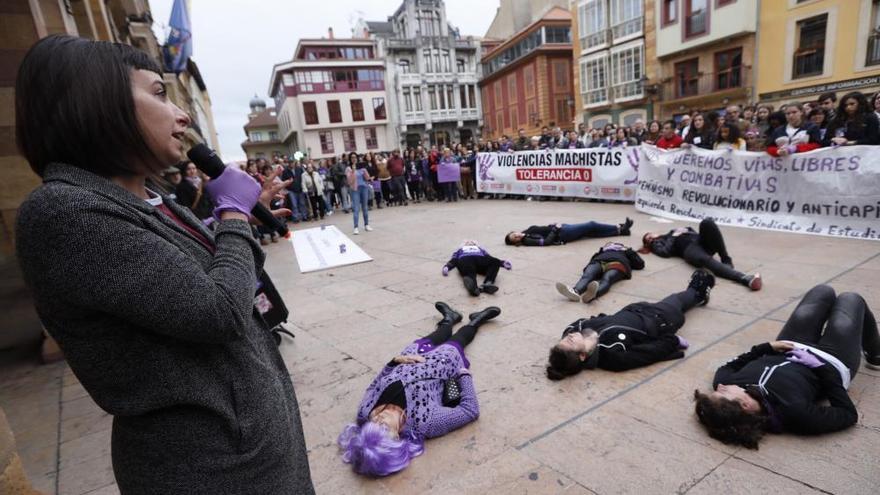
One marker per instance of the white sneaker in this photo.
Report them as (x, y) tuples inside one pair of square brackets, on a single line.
[(356, 231), (368, 228), (567, 292), (590, 294)]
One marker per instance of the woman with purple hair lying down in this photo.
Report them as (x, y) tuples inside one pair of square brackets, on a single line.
[(405, 404)]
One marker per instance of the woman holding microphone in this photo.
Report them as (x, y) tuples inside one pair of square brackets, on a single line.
[(153, 311)]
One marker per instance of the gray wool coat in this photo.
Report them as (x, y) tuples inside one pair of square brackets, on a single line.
[(165, 337)]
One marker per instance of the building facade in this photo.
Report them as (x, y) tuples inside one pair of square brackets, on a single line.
[(331, 98), (613, 42), (810, 47), (431, 75), (263, 140), (527, 79), (706, 50)]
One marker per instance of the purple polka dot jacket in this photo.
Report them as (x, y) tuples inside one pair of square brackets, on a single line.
[(426, 417)]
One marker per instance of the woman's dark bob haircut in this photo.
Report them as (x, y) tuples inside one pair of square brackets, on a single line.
[(74, 105)]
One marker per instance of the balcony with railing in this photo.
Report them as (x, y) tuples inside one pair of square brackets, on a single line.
[(729, 81), (631, 90), (598, 38), (334, 87), (873, 55), (808, 62), (595, 97), (402, 43), (627, 28)]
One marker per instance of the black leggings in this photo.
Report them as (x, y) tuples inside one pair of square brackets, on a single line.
[(464, 336), (682, 301), (700, 254), (318, 206), (415, 190), (851, 326), (592, 272), (470, 266)]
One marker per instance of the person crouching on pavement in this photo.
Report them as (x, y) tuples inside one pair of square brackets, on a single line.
[(471, 259)]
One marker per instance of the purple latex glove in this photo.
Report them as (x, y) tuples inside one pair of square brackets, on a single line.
[(507, 265), (445, 271), (803, 356), (234, 190), (682, 342)]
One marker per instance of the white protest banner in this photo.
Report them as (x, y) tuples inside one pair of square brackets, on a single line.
[(829, 191), (599, 173)]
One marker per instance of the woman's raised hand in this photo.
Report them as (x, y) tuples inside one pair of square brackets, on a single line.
[(234, 190), (271, 189)]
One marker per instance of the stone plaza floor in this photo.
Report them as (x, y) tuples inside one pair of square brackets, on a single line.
[(597, 432)]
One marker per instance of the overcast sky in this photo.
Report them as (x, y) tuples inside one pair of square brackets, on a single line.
[(236, 43)]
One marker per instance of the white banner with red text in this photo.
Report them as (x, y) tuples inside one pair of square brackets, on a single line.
[(598, 173), (829, 191)]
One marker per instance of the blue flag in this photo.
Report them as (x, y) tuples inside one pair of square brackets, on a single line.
[(178, 46)]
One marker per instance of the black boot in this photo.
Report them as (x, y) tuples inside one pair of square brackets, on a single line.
[(450, 315), (471, 285), (483, 316), (489, 287), (623, 228)]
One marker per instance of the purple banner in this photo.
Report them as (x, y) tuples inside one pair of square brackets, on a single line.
[(448, 172)]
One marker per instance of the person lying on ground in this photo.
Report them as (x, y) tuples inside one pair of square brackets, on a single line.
[(775, 387), (411, 398), (638, 335)]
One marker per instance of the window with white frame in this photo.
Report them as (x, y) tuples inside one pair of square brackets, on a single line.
[(404, 66), (594, 80), (626, 17), (417, 99), (407, 100), (627, 67), (429, 22), (593, 24), (432, 97), (256, 137), (429, 63)]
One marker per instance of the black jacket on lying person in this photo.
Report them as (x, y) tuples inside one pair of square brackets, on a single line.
[(638, 335), (790, 390), (669, 244), (629, 258), (541, 235)]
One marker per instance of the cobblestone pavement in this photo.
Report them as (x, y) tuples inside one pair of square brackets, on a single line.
[(598, 432)]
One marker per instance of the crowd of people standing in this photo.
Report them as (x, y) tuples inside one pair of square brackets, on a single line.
[(358, 182)]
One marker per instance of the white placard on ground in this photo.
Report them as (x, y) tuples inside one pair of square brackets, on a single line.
[(319, 249)]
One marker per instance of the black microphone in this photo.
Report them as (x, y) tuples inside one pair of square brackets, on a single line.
[(208, 162)]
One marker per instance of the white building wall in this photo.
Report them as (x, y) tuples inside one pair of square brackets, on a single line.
[(309, 140), (312, 141), (729, 20)]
